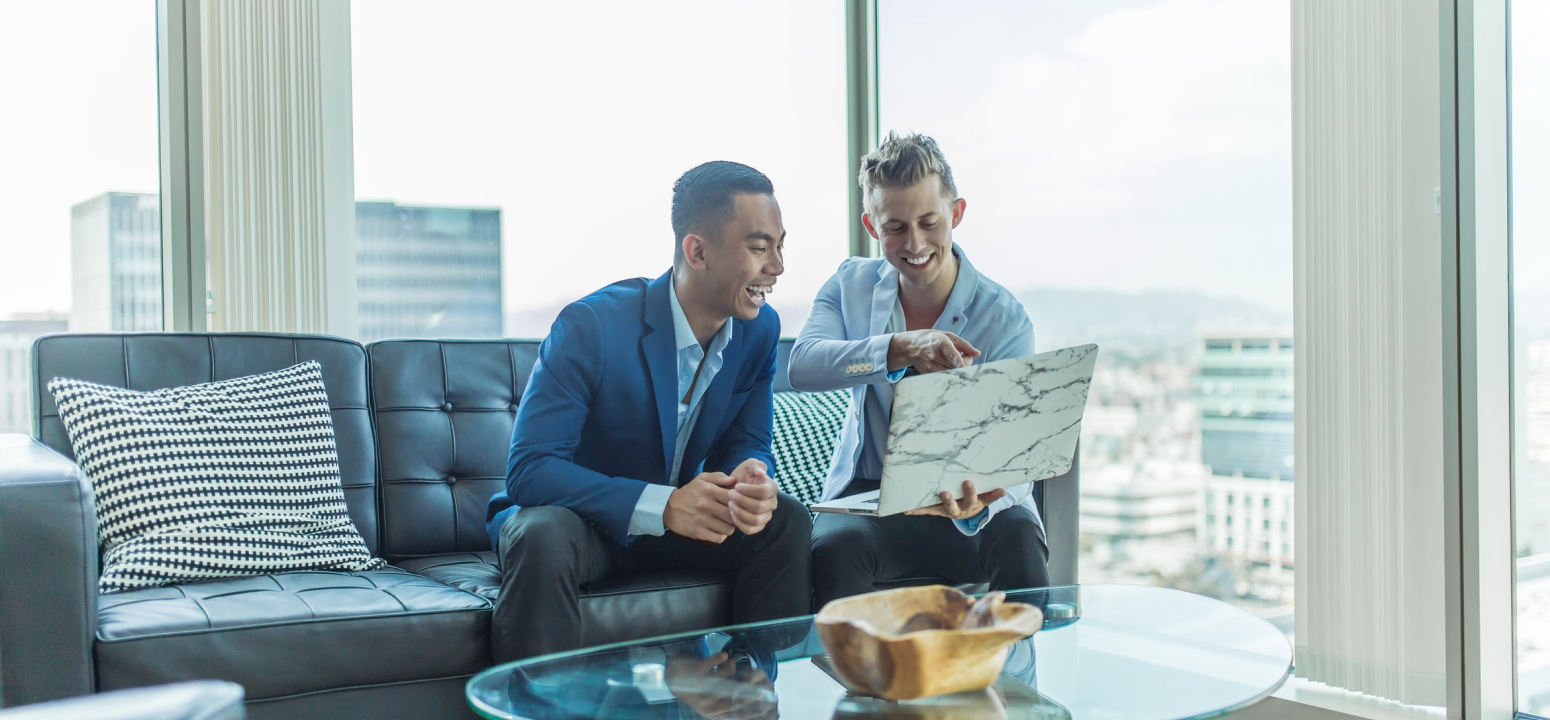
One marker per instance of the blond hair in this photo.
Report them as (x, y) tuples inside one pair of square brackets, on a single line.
[(902, 162)]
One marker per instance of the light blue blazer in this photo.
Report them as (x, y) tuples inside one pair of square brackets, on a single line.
[(843, 346)]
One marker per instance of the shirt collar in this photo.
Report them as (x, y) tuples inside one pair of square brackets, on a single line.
[(683, 334), (964, 285)]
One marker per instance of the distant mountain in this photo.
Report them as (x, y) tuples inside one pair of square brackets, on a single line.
[(1147, 325)]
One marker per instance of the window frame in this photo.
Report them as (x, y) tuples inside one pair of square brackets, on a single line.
[(1480, 572), (1476, 207)]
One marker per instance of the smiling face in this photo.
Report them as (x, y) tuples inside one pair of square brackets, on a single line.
[(734, 272), (915, 225)]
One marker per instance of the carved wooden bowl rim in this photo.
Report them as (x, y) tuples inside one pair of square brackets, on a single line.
[(1012, 618)]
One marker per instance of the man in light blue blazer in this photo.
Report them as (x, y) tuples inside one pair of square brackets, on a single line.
[(642, 442), (922, 307)]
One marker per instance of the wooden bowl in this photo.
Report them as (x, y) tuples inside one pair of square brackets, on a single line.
[(923, 641)]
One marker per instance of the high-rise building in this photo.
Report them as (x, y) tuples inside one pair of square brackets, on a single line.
[(16, 336), (427, 271), (1531, 471), (1125, 502), (1244, 389), (115, 263)]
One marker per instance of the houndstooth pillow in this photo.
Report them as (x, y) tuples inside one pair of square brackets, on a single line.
[(807, 427), (224, 479)]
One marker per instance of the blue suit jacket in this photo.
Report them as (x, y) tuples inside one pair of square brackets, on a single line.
[(599, 417)]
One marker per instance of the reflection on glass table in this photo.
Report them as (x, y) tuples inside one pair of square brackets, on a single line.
[(1106, 651)]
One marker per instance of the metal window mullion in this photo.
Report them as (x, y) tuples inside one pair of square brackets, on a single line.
[(180, 114), (861, 111), (1478, 517)]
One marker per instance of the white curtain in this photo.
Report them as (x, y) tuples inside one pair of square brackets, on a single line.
[(280, 206)]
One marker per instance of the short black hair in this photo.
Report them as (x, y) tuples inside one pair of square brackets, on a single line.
[(702, 198)]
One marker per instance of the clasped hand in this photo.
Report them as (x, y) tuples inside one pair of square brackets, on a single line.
[(717, 688), (713, 505)]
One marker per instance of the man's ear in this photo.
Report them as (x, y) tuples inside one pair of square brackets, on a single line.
[(866, 220), (694, 251), (958, 206)]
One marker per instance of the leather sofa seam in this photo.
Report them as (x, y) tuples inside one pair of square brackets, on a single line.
[(293, 623)]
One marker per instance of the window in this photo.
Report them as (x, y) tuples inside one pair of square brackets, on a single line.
[(1530, 163), (1127, 167), (82, 245), (528, 151)]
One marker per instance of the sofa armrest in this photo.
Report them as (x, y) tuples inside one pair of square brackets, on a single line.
[(48, 574), (196, 700)]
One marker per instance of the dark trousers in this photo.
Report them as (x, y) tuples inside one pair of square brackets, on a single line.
[(852, 552), (548, 553)]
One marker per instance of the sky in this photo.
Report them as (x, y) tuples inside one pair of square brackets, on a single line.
[(1101, 144), (79, 82)]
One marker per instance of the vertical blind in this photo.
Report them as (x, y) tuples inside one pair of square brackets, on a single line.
[(1367, 254), (279, 183)]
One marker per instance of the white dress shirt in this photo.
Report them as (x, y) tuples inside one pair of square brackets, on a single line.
[(646, 519)]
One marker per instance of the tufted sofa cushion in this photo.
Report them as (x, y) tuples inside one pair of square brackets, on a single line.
[(292, 633), (444, 412), (613, 609)]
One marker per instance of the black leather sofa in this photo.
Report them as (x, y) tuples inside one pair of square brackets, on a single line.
[(423, 429)]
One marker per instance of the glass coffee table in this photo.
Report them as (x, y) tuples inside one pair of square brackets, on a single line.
[(1106, 651)]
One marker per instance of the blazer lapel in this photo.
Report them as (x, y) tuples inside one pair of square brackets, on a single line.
[(661, 350), (884, 296), (713, 405)]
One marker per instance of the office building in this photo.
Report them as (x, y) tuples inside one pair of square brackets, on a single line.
[(1244, 389), (16, 336), (420, 271), (115, 263), (1531, 473), (1151, 499), (427, 271)]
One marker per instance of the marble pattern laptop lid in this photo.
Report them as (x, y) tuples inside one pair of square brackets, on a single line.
[(999, 424)]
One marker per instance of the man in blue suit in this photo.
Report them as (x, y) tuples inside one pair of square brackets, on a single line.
[(642, 442)]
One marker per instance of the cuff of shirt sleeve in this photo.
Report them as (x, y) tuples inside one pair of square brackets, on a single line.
[(646, 519), (972, 525)]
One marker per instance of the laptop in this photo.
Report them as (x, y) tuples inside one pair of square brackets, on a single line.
[(999, 424)]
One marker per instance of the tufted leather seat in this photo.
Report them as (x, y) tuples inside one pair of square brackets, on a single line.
[(292, 633)]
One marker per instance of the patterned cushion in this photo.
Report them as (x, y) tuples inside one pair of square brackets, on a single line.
[(807, 426), (224, 479)]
